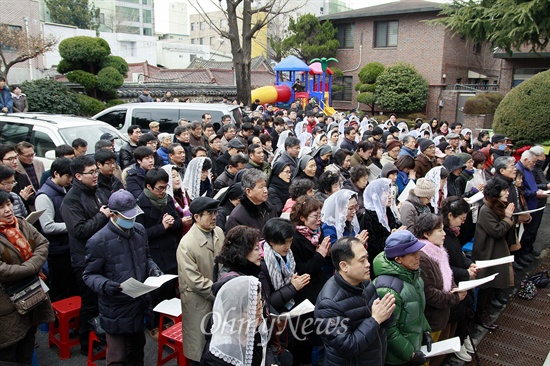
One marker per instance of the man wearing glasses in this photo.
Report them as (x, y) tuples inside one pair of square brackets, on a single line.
[(84, 210), (22, 186), (27, 165)]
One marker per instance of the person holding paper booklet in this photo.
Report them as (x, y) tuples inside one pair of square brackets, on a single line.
[(116, 253), (417, 202), (405, 172), (398, 273), (437, 275), (495, 232), (455, 211)]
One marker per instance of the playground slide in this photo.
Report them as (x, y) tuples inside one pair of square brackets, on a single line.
[(272, 94), (328, 110)]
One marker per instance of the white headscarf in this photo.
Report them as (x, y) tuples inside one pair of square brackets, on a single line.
[(341, 126), (464, 132), (317, 140), (376, 197), (414, 133), (403, 129), (425, 127), (299, 128), (434, 176), (306, 150), (437, 140), (192, 177), (168, 169), (280, 145), (335, 210), (303, 137), (234, 321)]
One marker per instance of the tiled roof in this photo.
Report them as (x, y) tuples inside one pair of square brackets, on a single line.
[(255, 64), (393, 8)]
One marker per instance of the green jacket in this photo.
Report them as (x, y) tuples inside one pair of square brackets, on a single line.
[(405, 334)]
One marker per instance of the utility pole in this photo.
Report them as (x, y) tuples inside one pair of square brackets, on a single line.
[(28, 46)]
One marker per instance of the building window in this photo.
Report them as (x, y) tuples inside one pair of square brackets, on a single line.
[(386, 34), (212, 40), (201, 40), (223, 23), (346, 92), (193, 26), (477, 48), (102, 18), (193, 41), (203, 25), (147, 31), (147, 16), (345, 35), (127, 14)]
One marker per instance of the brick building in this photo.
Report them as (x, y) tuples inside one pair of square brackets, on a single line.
[(397, 32)]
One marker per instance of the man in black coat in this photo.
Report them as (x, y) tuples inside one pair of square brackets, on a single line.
[(115, 254), (349, 311), (85, 212), (127, 150)]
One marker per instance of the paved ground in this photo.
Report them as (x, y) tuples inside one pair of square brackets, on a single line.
[(49, 356)]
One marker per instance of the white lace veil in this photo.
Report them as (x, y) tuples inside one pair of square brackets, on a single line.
[(426, 127), (192, 177), (168, 169), (403, 129), (299, 128), (303, 137), (434, 176), (341, 126), (376, 197), (234, 321), (464, 132), (317, 140), (280, 146), (335, 210)]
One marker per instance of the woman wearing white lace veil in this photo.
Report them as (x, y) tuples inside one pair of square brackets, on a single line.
[(438, 176), (281, 145), (425, 128), (305, 139), (403, 129), (300, 128), (468, 141), (320, 140), (339, 215), (196, 180), (239, 331), (342, 125)]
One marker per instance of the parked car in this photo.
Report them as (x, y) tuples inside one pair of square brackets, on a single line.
[(123, 116), (46, 131)]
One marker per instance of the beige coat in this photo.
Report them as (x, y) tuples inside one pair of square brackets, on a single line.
[(195, 268), (12, 270), (38, 169)]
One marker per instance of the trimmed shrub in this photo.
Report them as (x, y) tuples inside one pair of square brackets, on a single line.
[(370, 72), (109, 79), (87, 80), (483, 103), (89, 106), (366, 98), (114, 102), (368, 88), (523, 113), (401, 88), (117, 62), (49, 96), (83, 49)]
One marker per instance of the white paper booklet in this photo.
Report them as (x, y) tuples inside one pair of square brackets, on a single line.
[(304, 307), (33, 216), (476, 197), (467, 285), (134, 288), (443, 347), (171, 307), (405, 194), (495, 262), (529, 211)]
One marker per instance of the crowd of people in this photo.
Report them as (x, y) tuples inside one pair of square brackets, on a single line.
[(365, 221)]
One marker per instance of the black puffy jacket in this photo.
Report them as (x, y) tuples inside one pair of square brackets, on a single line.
[(343, 316), (116, 255)]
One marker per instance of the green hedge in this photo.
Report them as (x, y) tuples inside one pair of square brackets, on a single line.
[(523, 113), (89, 106), (483, 103), (50, 96)]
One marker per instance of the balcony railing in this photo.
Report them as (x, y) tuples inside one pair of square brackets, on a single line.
[(472, 87)]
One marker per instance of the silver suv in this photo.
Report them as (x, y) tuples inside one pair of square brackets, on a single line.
[(46, 131)]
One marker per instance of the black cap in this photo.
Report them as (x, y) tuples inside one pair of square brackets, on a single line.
[(201, 204), (377, 131), (498, 138), (107, 136)]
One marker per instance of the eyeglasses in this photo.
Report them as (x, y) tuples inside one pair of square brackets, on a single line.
[(152, 143), (28, 156), (92, 172), (353, 208), (314, 216), (13, 158), (8, 184), (450, 148), (161, 188), (286, 171)]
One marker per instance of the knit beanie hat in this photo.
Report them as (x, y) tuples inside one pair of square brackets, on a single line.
[(392, 145), (464, 157), (424, 188), (424, 143)]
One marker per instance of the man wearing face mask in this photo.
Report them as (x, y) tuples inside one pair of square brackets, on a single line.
[(116, 253)]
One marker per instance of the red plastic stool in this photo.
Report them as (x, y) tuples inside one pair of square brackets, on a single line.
[(171, 338), (166, 317), (67, 312), (97, 356)]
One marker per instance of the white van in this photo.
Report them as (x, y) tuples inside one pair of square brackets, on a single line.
[(123, 116)]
